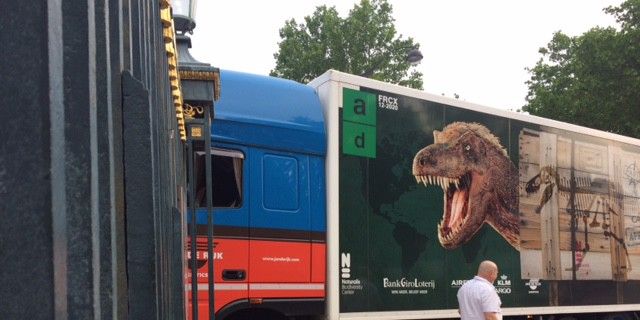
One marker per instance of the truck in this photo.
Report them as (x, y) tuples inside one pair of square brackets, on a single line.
[(351, 198)]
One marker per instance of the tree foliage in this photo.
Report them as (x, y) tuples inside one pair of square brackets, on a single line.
[(364, 43), (592, 79)]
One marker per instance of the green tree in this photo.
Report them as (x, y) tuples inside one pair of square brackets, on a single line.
[(364, 43), (592, 79)]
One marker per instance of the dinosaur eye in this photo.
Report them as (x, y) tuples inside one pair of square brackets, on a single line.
[(467, 147)]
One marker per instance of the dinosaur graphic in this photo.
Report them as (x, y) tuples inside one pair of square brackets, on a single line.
[(479, 181)]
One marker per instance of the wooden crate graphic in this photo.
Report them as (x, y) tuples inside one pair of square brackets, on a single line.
[(579, 208)]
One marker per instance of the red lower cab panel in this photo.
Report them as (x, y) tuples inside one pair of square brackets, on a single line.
[(256, 271)]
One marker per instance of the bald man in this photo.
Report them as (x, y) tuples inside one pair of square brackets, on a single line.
[(477, 298)]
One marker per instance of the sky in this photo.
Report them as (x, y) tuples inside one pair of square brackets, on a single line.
[(477, 49)]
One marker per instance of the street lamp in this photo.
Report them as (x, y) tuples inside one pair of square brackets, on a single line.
[(184, 15), (200, 84), (414, 56)]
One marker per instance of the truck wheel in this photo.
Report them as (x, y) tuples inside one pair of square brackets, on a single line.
[(253, 314)]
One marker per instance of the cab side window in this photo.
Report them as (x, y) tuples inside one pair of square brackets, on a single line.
[(226, 178)]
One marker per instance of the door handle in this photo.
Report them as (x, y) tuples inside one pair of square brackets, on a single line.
[(234, 274)]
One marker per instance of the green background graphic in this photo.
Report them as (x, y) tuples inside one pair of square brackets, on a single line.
[(359, 123), (359, 139), (359, 106), (388, 222)]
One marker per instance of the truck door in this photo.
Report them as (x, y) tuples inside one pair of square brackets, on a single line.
[(280, 246), (231, 219)]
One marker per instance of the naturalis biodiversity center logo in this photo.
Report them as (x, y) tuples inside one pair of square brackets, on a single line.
[(348, 285)]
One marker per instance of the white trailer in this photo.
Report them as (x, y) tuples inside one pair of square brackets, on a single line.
[(412, 210)]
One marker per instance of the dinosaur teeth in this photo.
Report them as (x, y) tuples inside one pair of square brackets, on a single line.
[(445, 198), (444, 182)]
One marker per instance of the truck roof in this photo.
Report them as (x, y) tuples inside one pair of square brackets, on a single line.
[(269, 112)]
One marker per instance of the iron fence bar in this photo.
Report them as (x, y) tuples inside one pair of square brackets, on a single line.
[(209, 192), (192, 239)]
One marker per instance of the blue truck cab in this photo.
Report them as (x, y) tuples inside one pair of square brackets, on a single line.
[(268, 154)]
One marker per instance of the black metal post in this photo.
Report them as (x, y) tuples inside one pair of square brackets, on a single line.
[(192, 236), (209, 182), (200, 84)]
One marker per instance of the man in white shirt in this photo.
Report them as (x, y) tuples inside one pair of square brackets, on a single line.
[(477, 298)]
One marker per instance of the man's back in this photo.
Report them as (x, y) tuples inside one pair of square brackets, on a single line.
[(477, 297)]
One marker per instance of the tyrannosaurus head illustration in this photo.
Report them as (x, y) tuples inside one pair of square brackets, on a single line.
[(479, 182)]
